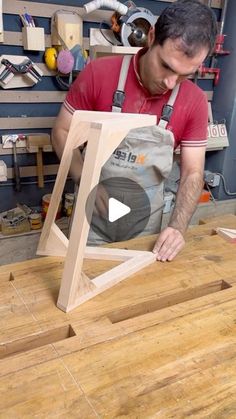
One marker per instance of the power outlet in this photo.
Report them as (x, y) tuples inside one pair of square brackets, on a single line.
[(212, 179)]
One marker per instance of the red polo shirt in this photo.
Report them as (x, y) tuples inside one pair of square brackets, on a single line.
[(94, 87)]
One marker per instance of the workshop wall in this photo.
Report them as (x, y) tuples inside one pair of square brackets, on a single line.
[(33, 110), (224, 108)]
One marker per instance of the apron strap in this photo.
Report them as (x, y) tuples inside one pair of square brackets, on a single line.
[(168, 108), (119, 95)]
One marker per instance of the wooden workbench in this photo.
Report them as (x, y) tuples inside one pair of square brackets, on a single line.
[(161, 344)]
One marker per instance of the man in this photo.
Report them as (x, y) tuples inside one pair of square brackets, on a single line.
[(182, 38)]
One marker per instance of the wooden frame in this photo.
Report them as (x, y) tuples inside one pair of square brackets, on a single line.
[(103, 132)]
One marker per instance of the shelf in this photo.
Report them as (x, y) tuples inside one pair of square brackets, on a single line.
[(102, 50)]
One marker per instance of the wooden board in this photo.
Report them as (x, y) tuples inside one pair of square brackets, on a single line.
[(27, 122), (15, 38), (32, 96), (160, 344), (31, 171)]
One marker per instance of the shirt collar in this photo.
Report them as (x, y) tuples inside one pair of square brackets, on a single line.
[(136, 64)]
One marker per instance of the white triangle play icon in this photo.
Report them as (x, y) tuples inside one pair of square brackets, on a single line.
[(116, 209)]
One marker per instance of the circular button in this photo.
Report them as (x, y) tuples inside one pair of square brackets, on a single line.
[(118, 209)]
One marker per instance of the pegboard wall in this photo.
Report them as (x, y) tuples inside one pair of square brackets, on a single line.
[(33, 109)]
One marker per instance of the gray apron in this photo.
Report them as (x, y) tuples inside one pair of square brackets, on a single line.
[(144, 156)]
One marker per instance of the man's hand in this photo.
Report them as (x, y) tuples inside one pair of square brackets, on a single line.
[(168, 244), (171, 240)]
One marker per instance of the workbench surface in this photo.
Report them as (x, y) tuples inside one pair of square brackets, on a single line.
[(161, 344)]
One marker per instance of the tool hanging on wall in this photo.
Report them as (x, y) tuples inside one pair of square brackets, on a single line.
[(67, 55), (37, 143), (66, 26), (50, 58), (18, 71), (218, 50), (12, 139), (129, 23)]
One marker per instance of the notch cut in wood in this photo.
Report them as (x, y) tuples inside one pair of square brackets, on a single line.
[(164, 301), (35, 340), (103, 132)]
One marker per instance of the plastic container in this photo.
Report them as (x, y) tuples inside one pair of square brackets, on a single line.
[(68, 204), (35, 220), (45, 204), (205, 196)]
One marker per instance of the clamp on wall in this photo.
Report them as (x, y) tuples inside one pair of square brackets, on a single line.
[(25, 73)]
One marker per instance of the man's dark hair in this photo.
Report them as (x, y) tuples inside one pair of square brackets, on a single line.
[(190, 21)]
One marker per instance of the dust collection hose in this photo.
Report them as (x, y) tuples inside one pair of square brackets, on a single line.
[(122, 9)]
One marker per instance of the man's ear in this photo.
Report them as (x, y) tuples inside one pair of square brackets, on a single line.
[(151, 36)]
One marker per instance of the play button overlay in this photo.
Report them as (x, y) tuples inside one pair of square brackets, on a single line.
[(117, 209)]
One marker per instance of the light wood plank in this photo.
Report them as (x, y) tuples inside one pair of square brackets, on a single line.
[(9, 151), (48, 97), (105, 253), (16, 96), (31, 171), (57, 242), (45, 70), (15, 38), (27, 122), (17, 7)]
